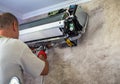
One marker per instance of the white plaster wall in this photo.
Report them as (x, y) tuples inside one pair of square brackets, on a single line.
[(96, 60)]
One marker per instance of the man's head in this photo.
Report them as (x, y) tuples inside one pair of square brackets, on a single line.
[(9, 25)]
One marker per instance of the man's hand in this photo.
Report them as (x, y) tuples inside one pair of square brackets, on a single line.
[(42, 55)]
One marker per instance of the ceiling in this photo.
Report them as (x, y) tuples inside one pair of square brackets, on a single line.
[(25, 9)]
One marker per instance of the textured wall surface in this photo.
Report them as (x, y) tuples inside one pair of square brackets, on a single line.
[(96, 60)]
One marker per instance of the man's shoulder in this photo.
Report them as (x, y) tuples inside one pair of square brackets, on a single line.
[(14, 42), (18, 42), (12, 45)]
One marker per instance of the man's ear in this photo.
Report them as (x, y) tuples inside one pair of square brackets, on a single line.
[(14, 26)]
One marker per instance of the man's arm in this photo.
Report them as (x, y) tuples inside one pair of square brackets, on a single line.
[(32, 64), (46, 68)]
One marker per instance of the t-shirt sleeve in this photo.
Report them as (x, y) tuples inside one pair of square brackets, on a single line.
[(30, 63)]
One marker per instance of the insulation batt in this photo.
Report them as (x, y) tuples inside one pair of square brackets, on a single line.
[(96, 59)]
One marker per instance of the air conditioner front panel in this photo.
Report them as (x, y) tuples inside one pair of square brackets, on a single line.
[(42, 32)]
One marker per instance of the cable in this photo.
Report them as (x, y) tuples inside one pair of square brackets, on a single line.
[(42, 80)]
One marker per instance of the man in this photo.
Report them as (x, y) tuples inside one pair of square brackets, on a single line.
[(15, 56)]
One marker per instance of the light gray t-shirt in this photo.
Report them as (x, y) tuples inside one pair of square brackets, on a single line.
[(16, 57)]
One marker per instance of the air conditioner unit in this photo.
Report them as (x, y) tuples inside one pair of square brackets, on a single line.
[(63, 27)]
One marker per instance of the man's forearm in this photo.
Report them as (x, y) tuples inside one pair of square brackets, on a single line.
[(46, 68)]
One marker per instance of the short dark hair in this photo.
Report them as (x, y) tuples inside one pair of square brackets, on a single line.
[(6, 19)]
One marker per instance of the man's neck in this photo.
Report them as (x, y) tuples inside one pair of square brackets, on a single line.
[(4, 33)]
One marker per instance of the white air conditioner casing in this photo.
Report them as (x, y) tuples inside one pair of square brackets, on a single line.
[(42, 31), (55, 29)]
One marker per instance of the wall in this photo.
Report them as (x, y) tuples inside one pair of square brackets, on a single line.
[(96, 60)]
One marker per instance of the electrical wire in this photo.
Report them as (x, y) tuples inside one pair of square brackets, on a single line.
[(42, 80)]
